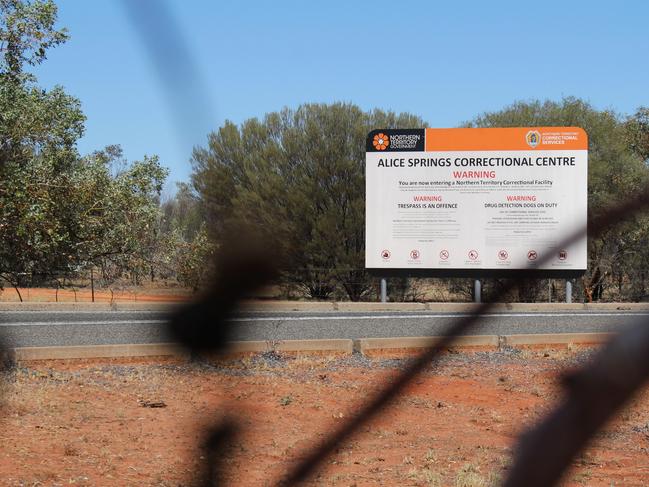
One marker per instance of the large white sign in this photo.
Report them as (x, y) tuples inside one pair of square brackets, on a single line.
[(485, 199)]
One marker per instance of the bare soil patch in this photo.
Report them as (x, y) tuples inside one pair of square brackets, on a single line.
[(84, 295), (131, 422)]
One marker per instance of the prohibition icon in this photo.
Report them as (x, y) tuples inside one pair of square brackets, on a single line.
[(532, 255), (415, 254), (443, 254), (385, 254), (502, 255), (473, 254)]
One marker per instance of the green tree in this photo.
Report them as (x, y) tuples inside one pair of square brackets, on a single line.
[(26, 33), (297, 177), (38, 134), (60, 213), (192, 259), (183, 213), (637, 132), (186, 247), (117, 220)]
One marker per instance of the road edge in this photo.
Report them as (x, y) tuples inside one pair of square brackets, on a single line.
[(328, 306), (337, 346)]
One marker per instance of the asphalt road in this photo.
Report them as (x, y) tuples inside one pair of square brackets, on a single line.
[(49, 328)]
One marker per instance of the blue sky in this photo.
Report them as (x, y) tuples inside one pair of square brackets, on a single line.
[(445, 61)]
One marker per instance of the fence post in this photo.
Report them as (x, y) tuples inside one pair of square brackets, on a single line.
[(568, 291), (384, 290), (92, 285), (477, 291)]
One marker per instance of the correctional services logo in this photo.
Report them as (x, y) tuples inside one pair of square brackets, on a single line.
[(381, 141), (533, 138)]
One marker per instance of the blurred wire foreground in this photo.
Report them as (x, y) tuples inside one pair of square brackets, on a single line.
[(542, 455)]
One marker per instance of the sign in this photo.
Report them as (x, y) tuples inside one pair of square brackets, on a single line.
[(479, 200)]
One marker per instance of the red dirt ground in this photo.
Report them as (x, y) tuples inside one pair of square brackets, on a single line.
[(84, 295), (83, 422)]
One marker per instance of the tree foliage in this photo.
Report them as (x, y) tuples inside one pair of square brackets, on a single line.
[(26, 33), (192, 259), (637, 133), (60, 212), (187, 248), (183, 213), (117, 225), (297, 177)]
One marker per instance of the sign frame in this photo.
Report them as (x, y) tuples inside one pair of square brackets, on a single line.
[(495, 144)]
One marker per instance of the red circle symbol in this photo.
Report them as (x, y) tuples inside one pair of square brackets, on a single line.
[(414, 254), (443, 254), (473, 254), (502, 255), (532, 255), (385, 254)]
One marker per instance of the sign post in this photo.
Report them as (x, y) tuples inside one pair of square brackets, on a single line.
[(476, 202), (477, 291)]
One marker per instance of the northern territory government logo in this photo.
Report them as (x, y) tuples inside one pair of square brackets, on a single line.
[(381, 141), (533, 138), (395, 140)]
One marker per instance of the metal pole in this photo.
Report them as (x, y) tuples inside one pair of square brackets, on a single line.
[(549, 290), (477, 291), (384, 290), (568, 291), (92, 285)]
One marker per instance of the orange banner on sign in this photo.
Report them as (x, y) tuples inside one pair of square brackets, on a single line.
[(503, 139)]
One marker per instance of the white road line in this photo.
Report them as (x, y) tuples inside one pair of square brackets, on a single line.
[(417, 316), (80, 311), (59, 323), (336, 318)]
